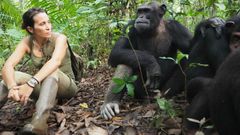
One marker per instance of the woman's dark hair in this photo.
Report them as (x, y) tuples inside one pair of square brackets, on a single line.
[(27, 17)]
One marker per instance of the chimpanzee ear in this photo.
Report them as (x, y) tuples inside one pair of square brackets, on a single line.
[(230, 24), (163, 9)]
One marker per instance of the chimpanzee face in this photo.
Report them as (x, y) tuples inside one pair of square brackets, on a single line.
[(149, 17), (234, 31)]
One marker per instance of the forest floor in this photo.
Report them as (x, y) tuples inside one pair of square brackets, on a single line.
[(81, 114)]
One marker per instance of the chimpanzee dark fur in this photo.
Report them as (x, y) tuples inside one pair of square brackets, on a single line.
[(149, 39), (218, 96)]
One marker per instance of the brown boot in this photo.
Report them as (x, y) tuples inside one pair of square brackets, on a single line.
[(45, 103), (3, 94)]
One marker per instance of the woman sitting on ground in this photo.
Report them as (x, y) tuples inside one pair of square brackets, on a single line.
[(54, 77)]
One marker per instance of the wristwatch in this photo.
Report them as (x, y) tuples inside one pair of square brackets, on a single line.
[(32, 82)]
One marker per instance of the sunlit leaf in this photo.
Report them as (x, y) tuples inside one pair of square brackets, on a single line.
[(209, 127), (198, 64), (118, 88), (168, 58), (1, 31), (161, 103), (14, 33), (101, 8), (130, 89), (221, 6), (199, 133), (113, 24), (194, 120), (166, 106), (85, 10), (180, 56), (83, 105), (118, 81), (131, 79), (98, 1), (5, 52)]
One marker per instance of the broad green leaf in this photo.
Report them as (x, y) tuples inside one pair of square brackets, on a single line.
[(194, 120), (14, 33), (209, 127), (1, 31), (5, 52), (130, 89), (198, 64), (123, 22), (98, 1), (167, 58), (221, 6), (118, 88), (166, 106), (101, 8), (161, 103), (180, 56), (128, 29), (82, 10), (118, 81), (113, 24), (199, 133), (131, 79)]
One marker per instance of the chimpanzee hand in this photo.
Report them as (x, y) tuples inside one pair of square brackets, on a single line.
[(109, 110), (153, 76)]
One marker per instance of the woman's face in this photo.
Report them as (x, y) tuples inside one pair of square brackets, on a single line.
[(42, 26)]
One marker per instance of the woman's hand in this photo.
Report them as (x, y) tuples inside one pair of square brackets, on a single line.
[(13, 93), (24, 93)]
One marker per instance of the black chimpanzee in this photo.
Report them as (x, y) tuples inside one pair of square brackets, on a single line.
[(224, 96), (200, 106), (141, 52), (209, 50), (208, 43)]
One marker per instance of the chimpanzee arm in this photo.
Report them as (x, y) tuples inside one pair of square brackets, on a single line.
[(180, 35), (111, 101), (122, 53)]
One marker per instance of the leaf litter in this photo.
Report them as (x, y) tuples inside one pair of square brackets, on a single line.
[(81, 114)]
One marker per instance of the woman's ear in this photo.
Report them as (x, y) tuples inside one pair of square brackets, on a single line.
[(30, 29)]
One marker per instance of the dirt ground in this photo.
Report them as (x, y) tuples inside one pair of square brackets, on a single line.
[(81, 116)]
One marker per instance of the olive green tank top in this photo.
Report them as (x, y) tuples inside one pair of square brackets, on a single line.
[(48, 49)]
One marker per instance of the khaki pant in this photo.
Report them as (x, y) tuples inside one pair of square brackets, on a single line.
[(67, 88)]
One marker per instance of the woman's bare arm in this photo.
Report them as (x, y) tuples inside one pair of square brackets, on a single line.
[(12, 61), (56, 59)]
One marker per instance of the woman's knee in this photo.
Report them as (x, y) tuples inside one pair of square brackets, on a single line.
[(21, 77), (54, 75)]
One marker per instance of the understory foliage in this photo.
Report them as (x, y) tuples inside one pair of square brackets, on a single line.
[(93, 26)]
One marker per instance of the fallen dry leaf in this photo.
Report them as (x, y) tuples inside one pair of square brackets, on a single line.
[(95, 130)]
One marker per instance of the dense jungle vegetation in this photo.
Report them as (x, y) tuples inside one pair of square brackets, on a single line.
[(93, 26)]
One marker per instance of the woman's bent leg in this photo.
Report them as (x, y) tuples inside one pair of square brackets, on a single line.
[(67, 86), (55, 84), (20, 78)]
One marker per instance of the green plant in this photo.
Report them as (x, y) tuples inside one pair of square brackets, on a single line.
[(93, 63), (203, 124), (166, 106), (180, 56), (166, 111), (198, 64), (126, 81)]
